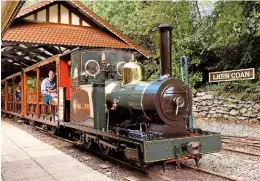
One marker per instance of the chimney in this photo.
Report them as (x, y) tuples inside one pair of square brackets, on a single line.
[(166, 48)]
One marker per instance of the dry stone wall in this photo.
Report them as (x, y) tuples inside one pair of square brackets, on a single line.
[(209, 106)]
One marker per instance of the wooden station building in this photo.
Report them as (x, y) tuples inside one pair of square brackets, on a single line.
[(48, 28), (41, 37)]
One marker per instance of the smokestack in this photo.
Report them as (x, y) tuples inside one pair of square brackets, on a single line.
[(166, 48)]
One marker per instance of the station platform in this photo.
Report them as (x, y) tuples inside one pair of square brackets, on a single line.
[(26, 158)]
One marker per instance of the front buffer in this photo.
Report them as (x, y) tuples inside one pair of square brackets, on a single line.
[(181, 148)]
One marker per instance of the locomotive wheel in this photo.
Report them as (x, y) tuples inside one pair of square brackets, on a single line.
[(103, 149), (87, 143), (53, 129), (31, 123)]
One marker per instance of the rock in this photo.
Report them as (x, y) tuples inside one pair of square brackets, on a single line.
[(205, 108), (105, 166), (258, 118), (253, 121), (214, 115), (207, 97), (242, 118), (245, 115), (253, 115), (203, 103), (87, 157), (233, 112), (250, 109), (247, 106), (257, 107), (203, 114), (209, 102), (226, 116), (195, 110), (235, 100), (20, 121), (195, 114), (232, 105), (222, 112), (212, 112), (201, 94), (243, 110), (221, 98), (218, 102), (213, 109), (240, 106), (196, 99), (231, 118)]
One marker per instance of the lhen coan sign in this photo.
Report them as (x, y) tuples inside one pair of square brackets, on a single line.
[(242, 74)]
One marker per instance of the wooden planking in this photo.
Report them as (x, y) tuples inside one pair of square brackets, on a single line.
[(38, 87), (6, 94), (24, 103)]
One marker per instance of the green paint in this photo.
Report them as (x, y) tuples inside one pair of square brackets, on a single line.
[(164, 149)]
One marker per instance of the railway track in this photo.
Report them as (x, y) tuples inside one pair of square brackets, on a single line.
[(151, 174), (251, 145), (156, 176)]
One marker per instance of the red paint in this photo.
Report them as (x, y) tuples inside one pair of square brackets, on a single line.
[(193, 134), (64, 78)]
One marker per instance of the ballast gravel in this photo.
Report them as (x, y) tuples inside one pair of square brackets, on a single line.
[(228, 128), (241, 165)]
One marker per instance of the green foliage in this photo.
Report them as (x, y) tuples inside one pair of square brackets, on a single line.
[(31, 83), (138, 19), (226, 38)]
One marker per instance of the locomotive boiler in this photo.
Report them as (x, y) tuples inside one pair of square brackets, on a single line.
[(161, 106)]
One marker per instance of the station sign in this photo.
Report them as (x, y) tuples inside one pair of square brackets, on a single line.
[(241, 74)]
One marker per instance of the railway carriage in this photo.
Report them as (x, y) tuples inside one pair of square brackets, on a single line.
[(105, 103)]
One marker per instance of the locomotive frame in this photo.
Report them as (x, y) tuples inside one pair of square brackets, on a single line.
[(89, 121)]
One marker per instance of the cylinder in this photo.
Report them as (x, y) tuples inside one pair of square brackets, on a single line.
[(166, 48)]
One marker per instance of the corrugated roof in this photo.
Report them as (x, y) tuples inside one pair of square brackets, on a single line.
[(93, 16), (59, 34)]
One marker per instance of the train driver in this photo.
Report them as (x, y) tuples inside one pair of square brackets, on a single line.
[(48, 89)]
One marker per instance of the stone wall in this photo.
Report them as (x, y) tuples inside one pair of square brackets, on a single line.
[(209, 106)]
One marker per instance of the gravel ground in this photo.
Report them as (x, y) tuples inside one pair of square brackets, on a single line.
[(228, 128), (229, 163), (239, 165)]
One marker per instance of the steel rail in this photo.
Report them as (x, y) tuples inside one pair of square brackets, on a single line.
[(233, 178), (150, 174), (241, 151)]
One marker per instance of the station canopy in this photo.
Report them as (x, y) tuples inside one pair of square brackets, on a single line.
[(48, 28)]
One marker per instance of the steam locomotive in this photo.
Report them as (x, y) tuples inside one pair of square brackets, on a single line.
[(104, 101)]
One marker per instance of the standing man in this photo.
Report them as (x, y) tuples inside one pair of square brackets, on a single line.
[(18, 97), (48, 88)]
